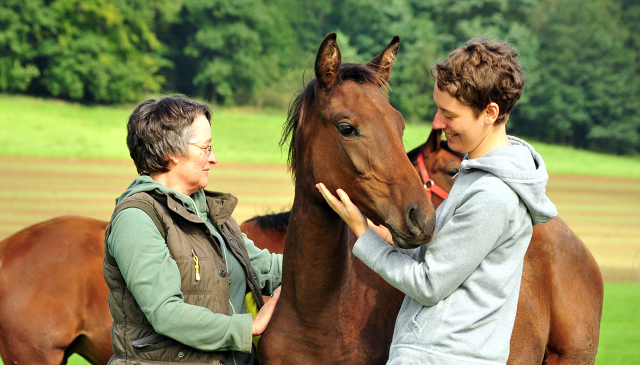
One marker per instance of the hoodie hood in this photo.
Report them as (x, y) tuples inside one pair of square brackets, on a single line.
[(144, 183), (524, 171)]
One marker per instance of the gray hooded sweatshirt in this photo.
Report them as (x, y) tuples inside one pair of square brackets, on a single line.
[(462, 288)]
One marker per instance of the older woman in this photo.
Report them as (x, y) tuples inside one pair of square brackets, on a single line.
[(179, 270)]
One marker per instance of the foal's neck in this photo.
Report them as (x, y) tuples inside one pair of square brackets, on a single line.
[(317, 256)]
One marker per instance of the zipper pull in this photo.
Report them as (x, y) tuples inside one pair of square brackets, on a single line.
[(196, 265)]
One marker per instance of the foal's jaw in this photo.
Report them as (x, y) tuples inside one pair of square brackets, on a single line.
[(419, 229), (406, 212), (413, 243)]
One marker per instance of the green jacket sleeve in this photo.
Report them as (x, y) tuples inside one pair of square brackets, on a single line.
[(153, 278), (267, 266)]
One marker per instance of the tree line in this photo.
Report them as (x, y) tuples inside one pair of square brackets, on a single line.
[(581, 59)]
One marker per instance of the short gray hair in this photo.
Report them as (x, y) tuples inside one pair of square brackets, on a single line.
[(159, 128)]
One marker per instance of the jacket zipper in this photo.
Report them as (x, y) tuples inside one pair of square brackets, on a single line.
[(196, 264), (197, 267)]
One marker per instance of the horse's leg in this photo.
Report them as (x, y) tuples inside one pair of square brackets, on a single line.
[(49, 331), (52, 291), (574, 333), (92, 348), (94, 342), (33, 327), (22, 343)]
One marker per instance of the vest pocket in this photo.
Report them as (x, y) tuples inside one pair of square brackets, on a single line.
[(153, 342)]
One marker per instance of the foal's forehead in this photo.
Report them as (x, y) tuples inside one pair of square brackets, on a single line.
[(361, 102), (358, 95)]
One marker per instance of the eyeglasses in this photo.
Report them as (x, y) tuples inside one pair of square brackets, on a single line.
[(206, 147)]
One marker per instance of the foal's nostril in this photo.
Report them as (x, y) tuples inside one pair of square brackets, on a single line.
[(417, 223), (412, 220)]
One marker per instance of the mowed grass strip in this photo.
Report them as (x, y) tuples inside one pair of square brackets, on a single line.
[(604, 211), (34, 190)]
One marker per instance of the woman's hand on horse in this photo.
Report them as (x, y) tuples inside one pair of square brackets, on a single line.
[(382, 231), (345, 209), (263, 317)]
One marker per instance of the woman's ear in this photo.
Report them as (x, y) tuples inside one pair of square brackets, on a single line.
[(173, 159), (492, 111)]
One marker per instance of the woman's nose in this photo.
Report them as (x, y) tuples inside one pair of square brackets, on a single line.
[(437, 122), (212, 158)]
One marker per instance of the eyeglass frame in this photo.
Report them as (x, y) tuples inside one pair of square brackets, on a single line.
[(207, 148)]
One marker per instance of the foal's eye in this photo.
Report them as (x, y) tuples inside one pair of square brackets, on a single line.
[(453, 172), (347, 129)]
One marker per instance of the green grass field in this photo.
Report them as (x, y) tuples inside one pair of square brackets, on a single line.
[(620, 326), (34, 127), (47, 130)]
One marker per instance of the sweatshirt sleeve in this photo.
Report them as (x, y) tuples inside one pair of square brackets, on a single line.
[(153, 278), (267, 266), (458, 248)]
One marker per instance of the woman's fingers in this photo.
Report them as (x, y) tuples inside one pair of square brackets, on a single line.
[(382, 231), (345, 209), (262, 319), (335, 204), (344, 198)]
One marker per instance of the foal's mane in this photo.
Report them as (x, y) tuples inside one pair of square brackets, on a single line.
[(299, 106)]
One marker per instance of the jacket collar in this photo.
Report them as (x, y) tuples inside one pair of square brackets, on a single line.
[(220, 206)]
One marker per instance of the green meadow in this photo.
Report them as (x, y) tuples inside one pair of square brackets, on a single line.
[(42, 128), (34, 127)]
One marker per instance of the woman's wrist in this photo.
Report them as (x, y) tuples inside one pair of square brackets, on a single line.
[(360, 229)]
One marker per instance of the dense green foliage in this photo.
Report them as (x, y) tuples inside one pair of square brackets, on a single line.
[(587, 78), (94, 50), (582, 60)]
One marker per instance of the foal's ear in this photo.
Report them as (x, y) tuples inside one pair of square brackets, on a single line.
[(328, 62), (433, 142), (383, 63)]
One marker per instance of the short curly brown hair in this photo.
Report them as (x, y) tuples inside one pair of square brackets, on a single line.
[(159, 128), (480, 72)]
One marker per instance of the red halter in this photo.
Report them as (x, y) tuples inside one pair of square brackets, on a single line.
[(429, 185)]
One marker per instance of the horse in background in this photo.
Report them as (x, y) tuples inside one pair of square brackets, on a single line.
[(267, 231), (53, 298), (332, 308)]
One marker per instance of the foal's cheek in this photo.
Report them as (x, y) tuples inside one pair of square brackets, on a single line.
[(356, 158)]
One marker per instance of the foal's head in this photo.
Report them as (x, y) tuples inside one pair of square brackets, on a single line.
[(345, 134)]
